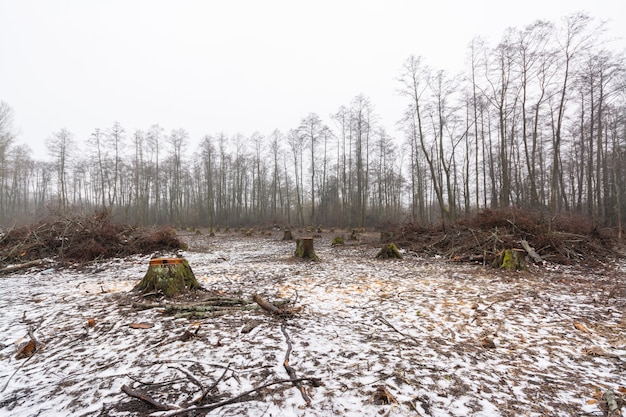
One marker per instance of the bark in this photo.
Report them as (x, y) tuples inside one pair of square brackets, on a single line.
[(510, 260), (168, 276), (304, 249)]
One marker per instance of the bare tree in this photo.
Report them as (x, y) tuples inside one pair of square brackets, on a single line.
[(60, 146), (574, 39), (7, 136)]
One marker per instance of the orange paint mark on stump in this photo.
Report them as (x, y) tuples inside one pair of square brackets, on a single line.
[(166, 261)]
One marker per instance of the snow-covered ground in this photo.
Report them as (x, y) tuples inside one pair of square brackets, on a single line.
[(441, 338)]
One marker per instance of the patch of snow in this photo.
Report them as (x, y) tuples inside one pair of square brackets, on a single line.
[(415, 326)]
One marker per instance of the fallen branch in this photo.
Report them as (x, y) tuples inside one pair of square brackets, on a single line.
[(206, 392), (531, 252), (146, 398), (212, 307), (316, 382), (14, 372), (292, 372), (191, 377), (385, 322), (267, 306), (210, 302), (487, 308), (19, 267)]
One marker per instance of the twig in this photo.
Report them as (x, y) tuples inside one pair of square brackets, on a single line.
[(14, 372), (385, 322), (488, 307), (146, 398), (209, 389), (314, 381), (192, 378), (290, 371)]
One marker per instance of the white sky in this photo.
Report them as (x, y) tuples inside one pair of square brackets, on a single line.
[(235, 66)]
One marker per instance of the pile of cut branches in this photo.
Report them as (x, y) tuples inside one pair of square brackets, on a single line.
[(82, 238), (561, 239)]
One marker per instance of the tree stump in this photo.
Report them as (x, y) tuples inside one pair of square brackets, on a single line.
[(338, 241), (389, 251), (287, 234), (509, 259), (304, 249), (168, 276)]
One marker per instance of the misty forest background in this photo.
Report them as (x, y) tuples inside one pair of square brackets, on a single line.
[(537, 122)]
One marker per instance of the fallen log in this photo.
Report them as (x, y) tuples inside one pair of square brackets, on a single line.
[(19, 267)]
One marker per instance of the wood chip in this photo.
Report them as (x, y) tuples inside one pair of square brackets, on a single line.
[(141, 325), (581, 327)]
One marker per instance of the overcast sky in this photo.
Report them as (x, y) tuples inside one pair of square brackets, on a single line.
[(235, 66)]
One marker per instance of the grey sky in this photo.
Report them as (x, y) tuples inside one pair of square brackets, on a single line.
[(235, 66)]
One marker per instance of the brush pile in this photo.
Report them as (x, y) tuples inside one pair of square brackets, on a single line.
[(82, 238), (561, 239)]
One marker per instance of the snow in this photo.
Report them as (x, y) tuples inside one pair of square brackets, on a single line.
[(414, 325)]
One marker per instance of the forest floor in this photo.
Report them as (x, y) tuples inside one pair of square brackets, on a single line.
[(420, 336)]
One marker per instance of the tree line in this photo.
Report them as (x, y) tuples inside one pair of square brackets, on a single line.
[(536, 121)]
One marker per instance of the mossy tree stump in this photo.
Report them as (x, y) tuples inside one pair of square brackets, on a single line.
[(168, 276), (304, 249), (287, 235), (389, 251), (510, 259), (338, 241)]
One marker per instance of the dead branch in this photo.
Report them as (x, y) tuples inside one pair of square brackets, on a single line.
[(19, 267), (316, 382), (488, 307), (292, 372), (531, 252), (212, 387), (385, 322), (191, 377), (266, 305), (146, 398), (14, 372)]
